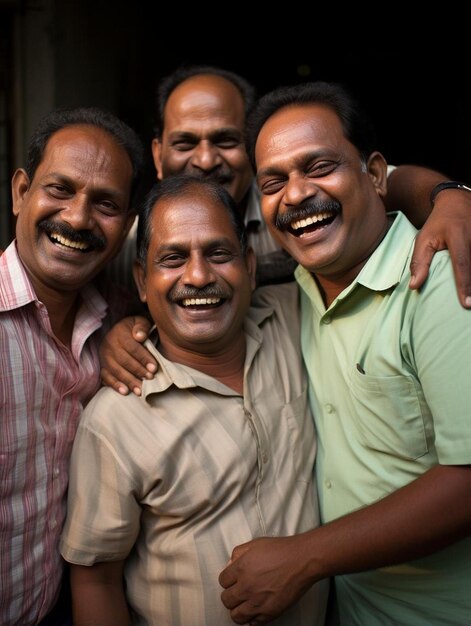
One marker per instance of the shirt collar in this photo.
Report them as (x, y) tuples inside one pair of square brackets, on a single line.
[(16, 290), (184, 377)]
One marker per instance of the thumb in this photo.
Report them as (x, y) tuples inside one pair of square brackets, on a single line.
[(141, 328)]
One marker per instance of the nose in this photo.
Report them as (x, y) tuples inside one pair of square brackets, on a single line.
[(78, 213), (198, 272), (298, 189), (206, 156)]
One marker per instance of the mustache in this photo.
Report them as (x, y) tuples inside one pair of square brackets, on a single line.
[(211, 291), (219, 177), (307, 208), (51, 227)]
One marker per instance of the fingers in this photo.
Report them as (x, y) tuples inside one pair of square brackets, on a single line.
[(124, 360), (125, 375), (424, 249), (460, 253), (141, 328)]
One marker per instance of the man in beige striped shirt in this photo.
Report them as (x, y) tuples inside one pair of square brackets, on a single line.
[(163, 485)]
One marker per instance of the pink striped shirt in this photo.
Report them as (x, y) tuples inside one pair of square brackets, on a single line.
[(43, 388)]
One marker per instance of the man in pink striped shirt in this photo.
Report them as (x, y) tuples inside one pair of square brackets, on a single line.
[(73, 204)]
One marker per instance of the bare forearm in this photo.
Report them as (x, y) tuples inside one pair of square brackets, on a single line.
[(419, 519), (268, 574), (409, 188), (97, 602)]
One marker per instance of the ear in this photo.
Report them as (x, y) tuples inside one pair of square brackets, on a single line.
[(129, 222), (140, 280), (157, 155), (20, 184), (251, 262), (377, 171)]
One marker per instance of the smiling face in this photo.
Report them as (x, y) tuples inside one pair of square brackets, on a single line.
[(74, 215), (203, 134), (196, 282), (320, 201)]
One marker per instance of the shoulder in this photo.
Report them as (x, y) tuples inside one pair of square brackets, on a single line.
[(108, 407), (284, 296)]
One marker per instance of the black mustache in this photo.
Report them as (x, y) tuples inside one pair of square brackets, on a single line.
[(211, 291), (308, 208), (221, 178), (77, 236)]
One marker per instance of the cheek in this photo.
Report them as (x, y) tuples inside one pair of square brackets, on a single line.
[(237, 159), (269, 205), (175, 161)]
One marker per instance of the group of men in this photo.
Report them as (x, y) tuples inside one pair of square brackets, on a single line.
[(218, 448)]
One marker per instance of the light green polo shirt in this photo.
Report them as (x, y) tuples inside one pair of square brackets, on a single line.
[(390, 390)]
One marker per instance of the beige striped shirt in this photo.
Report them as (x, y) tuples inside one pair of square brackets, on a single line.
[(174, 479)]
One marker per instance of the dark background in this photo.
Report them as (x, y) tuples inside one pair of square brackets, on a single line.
[(412, 77)]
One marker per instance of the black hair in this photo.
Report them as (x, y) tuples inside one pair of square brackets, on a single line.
[(179, 185), (167, 85), (89, 116), (356, 125)]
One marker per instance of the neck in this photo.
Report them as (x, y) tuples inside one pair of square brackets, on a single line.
[(225, 364), (331, 285), (62, 308)]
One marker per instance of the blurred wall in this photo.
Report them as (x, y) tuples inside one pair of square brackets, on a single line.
[(91, 52)]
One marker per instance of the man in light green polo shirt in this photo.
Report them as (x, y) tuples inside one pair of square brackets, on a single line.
[(389, 372)]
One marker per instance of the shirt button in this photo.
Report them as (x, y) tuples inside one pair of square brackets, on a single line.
[(56, 472), (264, 457), (326, 320), (329, 408), (328, 484)]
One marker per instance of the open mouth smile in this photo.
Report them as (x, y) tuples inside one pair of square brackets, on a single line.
[(68, 243)]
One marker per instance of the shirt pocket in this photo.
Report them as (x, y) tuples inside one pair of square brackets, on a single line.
[(387, 413)]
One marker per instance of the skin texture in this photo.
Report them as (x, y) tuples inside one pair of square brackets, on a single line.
[(82, 185), (299, 157), (302, 155), (194, 250), (204, 122), (193, 247), (203, 128)]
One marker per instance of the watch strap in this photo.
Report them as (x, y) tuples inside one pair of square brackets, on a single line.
[(449, 184)]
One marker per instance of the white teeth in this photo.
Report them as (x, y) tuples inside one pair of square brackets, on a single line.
[(200, 301), (310, 220), (68, 243)]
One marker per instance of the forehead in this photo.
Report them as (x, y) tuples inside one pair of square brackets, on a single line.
[(205, 98), (81, 143), (87, 154), (191, 217), (297, 128)]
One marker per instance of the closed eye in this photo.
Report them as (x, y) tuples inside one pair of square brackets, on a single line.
[(268, 187)]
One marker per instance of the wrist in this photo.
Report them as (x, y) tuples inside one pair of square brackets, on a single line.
[(448, 184)]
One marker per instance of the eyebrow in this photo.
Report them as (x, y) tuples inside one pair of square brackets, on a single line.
[(183, 248), (218, 132), (108, 192)]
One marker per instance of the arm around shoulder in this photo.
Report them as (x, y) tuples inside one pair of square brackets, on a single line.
[(444, 215)]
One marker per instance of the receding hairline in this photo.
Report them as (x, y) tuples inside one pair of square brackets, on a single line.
[(201, 83)]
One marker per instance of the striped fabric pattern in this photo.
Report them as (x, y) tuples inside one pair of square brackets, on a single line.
[(43, 388), (174, 479)]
